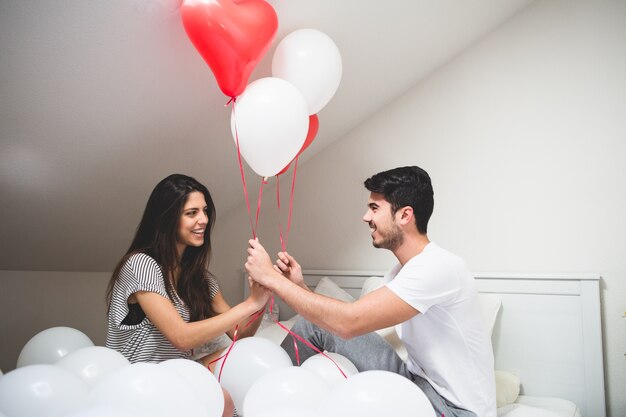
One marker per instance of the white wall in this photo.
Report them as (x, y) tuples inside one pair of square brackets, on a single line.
[(32, 301), (524, 136)]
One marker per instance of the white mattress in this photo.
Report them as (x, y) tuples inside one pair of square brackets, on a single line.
[(527, 406)]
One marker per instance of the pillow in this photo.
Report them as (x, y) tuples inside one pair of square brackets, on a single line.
[(371, 284), (329, 288), (507, 388)]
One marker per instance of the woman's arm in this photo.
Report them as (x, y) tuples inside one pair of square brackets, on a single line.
[(246, 328), (185, 336)]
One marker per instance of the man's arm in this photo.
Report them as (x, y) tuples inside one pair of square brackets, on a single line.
[(376, 310)]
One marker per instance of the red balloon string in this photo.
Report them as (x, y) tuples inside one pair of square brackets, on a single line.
[(280, 225), (283, 241), (258, 207), (225, 356), (293, 335), (296, 337), (293, 188), (243, 176), (306, 342)]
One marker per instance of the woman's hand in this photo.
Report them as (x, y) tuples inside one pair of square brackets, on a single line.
[(287, 265), (259, 295)]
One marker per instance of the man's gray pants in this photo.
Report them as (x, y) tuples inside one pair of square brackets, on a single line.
[(367, 352)]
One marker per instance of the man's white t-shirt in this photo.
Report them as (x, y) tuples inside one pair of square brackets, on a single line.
[(448, 343)]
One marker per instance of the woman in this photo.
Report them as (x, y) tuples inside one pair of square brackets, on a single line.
[(162, 300)]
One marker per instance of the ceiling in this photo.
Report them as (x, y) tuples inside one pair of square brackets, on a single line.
[(99, 100)]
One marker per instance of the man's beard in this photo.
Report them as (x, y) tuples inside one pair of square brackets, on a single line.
[(390, 240)]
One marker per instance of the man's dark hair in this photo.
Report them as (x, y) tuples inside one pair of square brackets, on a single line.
[(406, 186)]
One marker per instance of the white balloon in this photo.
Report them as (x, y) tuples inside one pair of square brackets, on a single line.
[(375, 394), (50, 345), (102, 411), (327, 369), (92, 363), (310, 60), (41, 390), (249, 359), (290, 387), (208, 391), (283, 411), (149, 390), (270, 119)]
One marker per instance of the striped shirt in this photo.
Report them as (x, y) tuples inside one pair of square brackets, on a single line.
[(143, 342)]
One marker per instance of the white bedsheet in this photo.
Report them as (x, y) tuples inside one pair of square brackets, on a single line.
[(527, 406)]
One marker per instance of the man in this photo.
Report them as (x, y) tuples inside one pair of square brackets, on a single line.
[(429, 296)]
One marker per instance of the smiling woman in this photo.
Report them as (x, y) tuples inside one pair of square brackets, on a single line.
[(162, 300)]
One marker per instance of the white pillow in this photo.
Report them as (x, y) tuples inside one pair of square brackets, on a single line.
[(507, 388), (371, 284), (329, 288)]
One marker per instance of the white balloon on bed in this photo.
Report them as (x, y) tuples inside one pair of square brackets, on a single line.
[(289, 387), (328, 370), (375, 394), (92, 363), (203, 383), (249, 359), (147, 389), (103, 411), (41, 390), (284, 411), (50, 345)]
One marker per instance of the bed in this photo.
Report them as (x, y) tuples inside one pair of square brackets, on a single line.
[(546, 337)]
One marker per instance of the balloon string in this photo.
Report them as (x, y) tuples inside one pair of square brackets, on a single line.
[(258, 207), (283, 241), (243, 176), (306, 342), (295, 337), (280, 225), (225, 356), (293, 187)]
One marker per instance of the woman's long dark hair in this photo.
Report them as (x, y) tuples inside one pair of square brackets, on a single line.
[(157, 235)]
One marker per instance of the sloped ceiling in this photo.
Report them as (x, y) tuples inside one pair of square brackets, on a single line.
[(99, 100)]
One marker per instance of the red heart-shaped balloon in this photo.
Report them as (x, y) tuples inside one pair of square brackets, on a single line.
[(231, 36)]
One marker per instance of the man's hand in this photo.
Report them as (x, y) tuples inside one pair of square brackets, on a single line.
[(258, 265), (287, 266)]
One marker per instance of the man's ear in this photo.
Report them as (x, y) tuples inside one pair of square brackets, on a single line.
[(405, 215)]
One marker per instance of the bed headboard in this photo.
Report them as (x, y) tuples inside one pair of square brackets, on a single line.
[(548, 332)]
